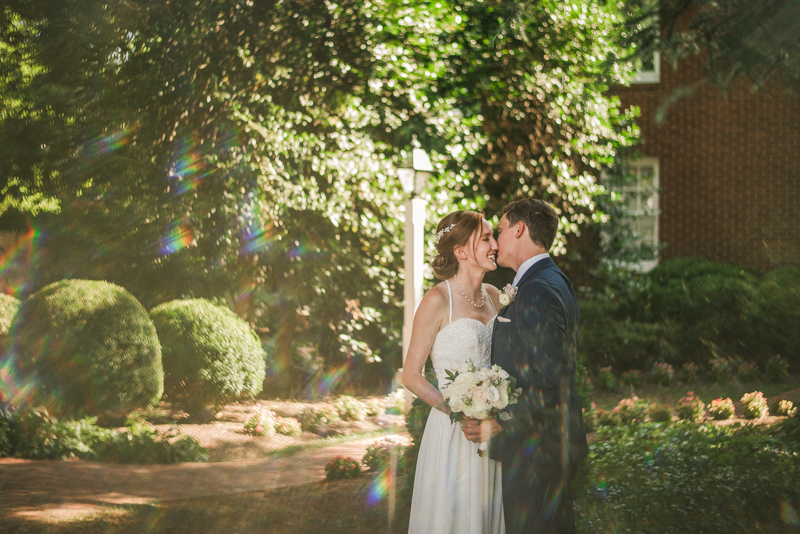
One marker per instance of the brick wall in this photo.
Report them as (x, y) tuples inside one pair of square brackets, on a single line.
[(729, 168)]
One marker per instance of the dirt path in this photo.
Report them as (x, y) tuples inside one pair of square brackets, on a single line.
[(57, 491)]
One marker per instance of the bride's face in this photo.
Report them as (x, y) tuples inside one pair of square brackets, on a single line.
[(484, 248)]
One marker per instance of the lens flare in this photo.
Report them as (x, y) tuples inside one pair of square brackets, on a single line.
[(178, 236), (15, 264), (379, 488), (789, 515), (108, 142), (321, 384)]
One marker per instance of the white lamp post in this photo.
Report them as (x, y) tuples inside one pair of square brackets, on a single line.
[(414, 173)]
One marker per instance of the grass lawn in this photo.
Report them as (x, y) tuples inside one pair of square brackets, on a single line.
[(705, 389), (333, 507)]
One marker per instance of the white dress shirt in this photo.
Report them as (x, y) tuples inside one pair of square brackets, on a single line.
[(527, 264)]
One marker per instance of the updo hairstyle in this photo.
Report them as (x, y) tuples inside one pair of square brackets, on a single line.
[(445, 264)]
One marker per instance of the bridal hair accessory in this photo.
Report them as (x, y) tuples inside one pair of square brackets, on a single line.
[(443, 231), (508, 295)]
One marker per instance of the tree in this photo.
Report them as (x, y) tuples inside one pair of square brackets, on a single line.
[(246, 150), (737, 37)]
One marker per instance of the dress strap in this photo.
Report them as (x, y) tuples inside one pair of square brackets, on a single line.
[(490, 298), (450, 292)]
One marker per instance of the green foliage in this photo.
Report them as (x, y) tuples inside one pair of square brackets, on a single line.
[(720, 369), (632, 378), (261, 424), (350, 408), (607, 378), (584, 382), (341, 468), (686, 478), (378, 454), (374, 406), (265, 155), (6, 446), (690, 407), (754, 405), (605, 340), (317, 416), (689, 371), (288, 426), (747, 371), (661, 413), (89, 347), (756, 40), (783, 407), (662, 373), (8, 308), (35, 434), (210, 355), (721, 409), (777, 368), (779, 303), (713, 305), (633, 410)]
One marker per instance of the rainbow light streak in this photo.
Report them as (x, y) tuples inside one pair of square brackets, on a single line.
[(16, 263), (11, 390), (379, 488), (789, 515), (179, 236), (107, 143), (321, 384), (255, 237), (188, 169)]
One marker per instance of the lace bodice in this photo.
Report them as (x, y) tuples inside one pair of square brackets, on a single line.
[(461, 341), (464, 340)]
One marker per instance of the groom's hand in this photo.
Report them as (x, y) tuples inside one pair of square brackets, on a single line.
[(478, 430)]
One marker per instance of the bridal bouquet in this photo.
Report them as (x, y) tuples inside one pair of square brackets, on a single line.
[(480, 393)]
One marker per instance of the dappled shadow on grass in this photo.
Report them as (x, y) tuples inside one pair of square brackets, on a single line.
[(332, 507)]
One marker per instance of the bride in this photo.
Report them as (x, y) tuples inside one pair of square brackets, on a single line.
[(455, 490)]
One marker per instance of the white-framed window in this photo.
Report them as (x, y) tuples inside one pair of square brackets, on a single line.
[(640, 202), (648, 71)]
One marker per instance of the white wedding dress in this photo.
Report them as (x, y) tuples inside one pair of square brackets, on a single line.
[(455, 490)]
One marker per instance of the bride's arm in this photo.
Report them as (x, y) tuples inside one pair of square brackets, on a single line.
[(427, 322)]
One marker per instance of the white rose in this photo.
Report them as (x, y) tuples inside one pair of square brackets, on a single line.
[(493, 394), (481, 375), (480, 395), (456, 404), (504, 375), (505, 300), (464, 379)]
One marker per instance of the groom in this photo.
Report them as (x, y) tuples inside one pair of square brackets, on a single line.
[(535, 340)]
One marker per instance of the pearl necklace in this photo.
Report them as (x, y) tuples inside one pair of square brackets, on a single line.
[(483, 294)]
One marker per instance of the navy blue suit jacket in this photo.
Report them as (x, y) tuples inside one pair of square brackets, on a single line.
[(538, 345)]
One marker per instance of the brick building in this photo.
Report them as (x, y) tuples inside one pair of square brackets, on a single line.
[(725, 168)]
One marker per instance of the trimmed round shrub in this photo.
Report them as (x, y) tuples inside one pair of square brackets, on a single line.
[(8, 308), (721, 409), (211, 356), (88, 348)]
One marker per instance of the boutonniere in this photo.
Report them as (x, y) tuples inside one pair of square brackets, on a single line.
[(508, 295)]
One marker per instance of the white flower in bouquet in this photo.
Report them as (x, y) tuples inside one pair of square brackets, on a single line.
[(480, 393)]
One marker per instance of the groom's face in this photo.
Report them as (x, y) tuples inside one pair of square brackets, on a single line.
[(505, 242)]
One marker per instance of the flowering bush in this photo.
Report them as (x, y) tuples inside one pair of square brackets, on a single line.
[(689, 372), (288, 426), (783, 408), (373, 407), (754, 405), (262, 423), (397, 401), (591, 419), (632, 410), (721, 409), (607, 379), (720, 369), (661, 413), (350, 408), (608, 418), (378, 454), (777, 368), (663, 373), (340, 468), (747, 371), (315, 416), (690, 407), (633, 378)]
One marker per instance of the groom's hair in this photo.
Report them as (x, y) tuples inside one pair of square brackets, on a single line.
[(539, 216)]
